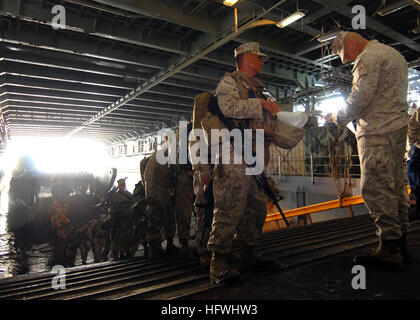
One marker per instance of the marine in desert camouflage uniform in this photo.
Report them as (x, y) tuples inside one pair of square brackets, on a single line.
[(202, 174), (184, 199), (378, 101), (239, 204), (137, 212), (122, 233), (100, 238), (159, 192)]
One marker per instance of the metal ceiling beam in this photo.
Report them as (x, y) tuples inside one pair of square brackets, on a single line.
[(66, 96), (52, 73), (288, 78), (134, 110), (201, 50), (305, 48), (162, 11), (371, 23), (211, 76), (94, 25), (48, 117), (77, 88), (97, 129), (145, 61), (169, 12), (69, 122)]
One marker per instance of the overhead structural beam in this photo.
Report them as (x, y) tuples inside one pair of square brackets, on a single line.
[(95, 26), (4, 134), (3, 129), (371, 23), (126, 78), (169, 12), (162, 10), (181, 64), (305, 48)]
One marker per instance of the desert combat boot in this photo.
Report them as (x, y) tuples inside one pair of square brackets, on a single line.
[(251, 261), (220, 272), (387, 255)]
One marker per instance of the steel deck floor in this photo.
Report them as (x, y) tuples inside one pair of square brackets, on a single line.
[(177, 278)]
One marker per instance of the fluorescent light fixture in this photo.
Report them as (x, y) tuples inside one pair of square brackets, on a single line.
[(395, 7), (290, 19), (328, 36), (229, 2)]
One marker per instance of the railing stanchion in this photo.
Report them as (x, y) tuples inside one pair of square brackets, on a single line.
[(312, 169)]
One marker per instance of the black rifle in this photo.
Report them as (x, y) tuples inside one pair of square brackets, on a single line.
[(261, 179), (141, 205)]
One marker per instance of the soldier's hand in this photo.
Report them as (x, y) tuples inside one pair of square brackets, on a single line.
[(270, 106)]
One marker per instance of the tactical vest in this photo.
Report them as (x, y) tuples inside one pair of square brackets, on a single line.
[(250, 87), (276, 131), (204, 115)]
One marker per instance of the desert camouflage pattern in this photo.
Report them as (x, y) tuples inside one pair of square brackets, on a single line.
[(239, 204), (200, 202), (233, 105), (143, 164), (239, 97), (414, 129), (383, 184), (251, 47), (184, 200), (159, 190), (378, 99), (201, 235)]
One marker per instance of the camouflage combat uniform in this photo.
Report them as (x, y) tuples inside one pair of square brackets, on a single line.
[(100, 241), (238, 201), (184, 199), (202, 232), (143, 164), (378, 101), (414, 129), (159, 191), (139, 194), (122, 229), (84, 243)]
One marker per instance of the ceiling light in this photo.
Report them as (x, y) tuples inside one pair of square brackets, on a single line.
[(395, 7), (290, 19), (328, 36), (229, 2)]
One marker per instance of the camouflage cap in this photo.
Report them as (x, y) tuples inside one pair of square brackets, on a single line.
[(122, 180), (251, 47), (338, 46)]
